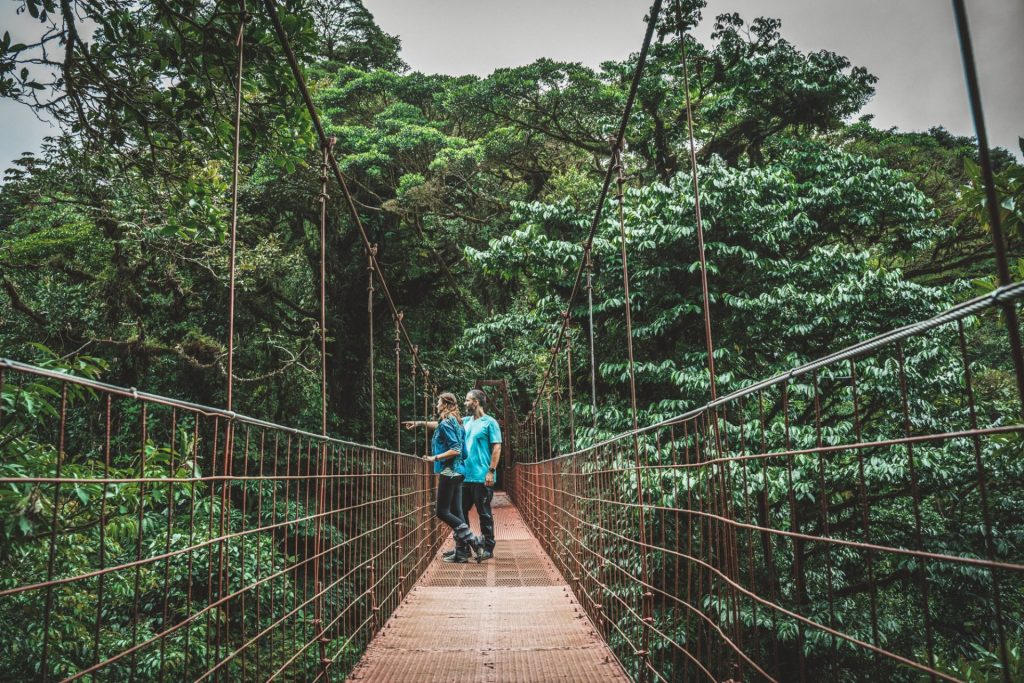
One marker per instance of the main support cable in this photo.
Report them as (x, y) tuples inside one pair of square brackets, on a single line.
[(619, 138), (307, 98), (991, 198)]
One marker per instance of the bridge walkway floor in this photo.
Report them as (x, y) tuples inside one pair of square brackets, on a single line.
[(509, 619)]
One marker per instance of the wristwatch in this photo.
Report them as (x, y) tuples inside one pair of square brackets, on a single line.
[(490, 469)]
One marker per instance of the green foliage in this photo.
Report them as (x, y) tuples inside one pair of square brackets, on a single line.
[(820, 231), (776, 240)]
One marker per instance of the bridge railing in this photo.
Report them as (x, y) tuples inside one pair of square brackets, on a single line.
[(146, 538), (860, 517)]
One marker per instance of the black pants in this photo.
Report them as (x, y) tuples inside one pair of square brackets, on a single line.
[(449, 500), (480, 496)]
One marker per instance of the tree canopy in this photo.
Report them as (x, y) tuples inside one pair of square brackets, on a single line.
[(821, 228)]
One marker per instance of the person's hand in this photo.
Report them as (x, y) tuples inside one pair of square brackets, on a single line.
[(430, 458), (489, 479), (410, 425)]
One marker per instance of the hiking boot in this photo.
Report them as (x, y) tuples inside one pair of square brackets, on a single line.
[(449, 553), (485, 555), (477, 544), (464, 536), (455, 559)]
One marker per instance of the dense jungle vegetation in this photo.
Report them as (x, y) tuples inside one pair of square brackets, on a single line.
[(821, 230)]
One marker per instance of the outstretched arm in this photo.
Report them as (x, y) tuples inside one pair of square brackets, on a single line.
[(413, 424)]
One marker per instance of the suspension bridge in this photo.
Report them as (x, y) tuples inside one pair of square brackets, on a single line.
[(697, 548)]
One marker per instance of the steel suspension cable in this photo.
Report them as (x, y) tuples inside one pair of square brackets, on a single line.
[(568, 367), (371, 261), (999, 243), (708, 339), (240, 44), (398, 381), (307, 98), (648, 607), (726, 545), (229, 435), (992, 205), (321, 487), (619, 138), (324, 197), (415, 400), (589, 265)]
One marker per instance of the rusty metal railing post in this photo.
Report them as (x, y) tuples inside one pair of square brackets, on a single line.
[(399, 537), (371, 593)]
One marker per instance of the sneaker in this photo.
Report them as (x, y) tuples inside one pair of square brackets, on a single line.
[(455, 559), (449, 553)]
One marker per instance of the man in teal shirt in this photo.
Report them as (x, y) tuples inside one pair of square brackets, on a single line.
[(481, 454)]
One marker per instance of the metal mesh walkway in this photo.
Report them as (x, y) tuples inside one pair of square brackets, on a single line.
[(512, 618)]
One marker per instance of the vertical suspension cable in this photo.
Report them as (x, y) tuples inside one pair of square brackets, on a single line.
[(426, 411), (415, 398), (349, 201), (991, 198), (240, 44), (230, 426), (708, 339), (323, 450), (558, 402), (652, 21), (727, 546), (398, 380), (648, 607), (1002, 266), (551, 433), (370, 267), (323, 285), (588, 264), (568, 366)]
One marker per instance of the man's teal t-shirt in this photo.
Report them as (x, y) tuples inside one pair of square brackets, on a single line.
[(481, 433)]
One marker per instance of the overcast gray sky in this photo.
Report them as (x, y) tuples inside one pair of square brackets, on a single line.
[(909, 44)]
